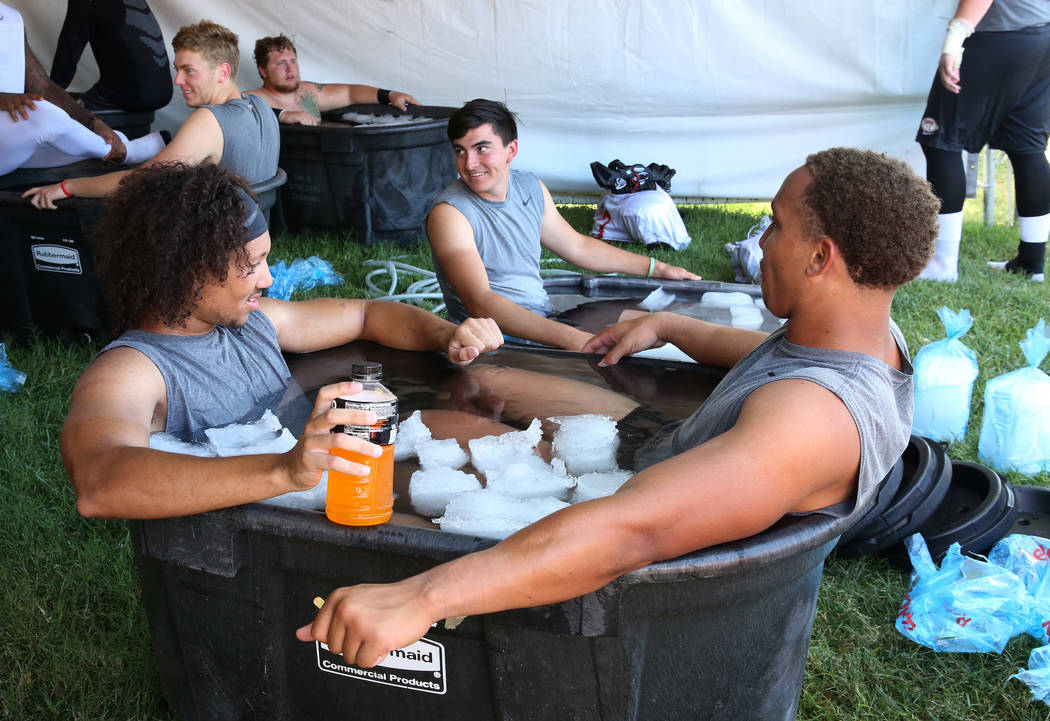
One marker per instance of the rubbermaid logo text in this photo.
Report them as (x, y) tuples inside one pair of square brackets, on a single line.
[(418, 667), (56, 259)]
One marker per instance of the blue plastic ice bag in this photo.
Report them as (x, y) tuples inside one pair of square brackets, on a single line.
[(967, 605), (1028, 558), (1037, 675), (1015, 430), (301, 275), (944, 374), (11, 380)]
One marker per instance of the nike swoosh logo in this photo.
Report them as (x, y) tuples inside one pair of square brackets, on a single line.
[(526, 201)]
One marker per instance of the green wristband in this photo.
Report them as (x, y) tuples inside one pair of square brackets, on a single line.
[(652, 267)]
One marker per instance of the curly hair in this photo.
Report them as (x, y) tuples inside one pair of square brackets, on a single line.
[(271, 44), (216, 43), (167, 230), (882, 216)]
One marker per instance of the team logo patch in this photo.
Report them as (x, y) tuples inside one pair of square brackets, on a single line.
[(929, 126)]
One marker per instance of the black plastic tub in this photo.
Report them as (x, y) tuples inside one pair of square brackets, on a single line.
[(377, 181), (132, 124), (25, 178), (48, 282), (721, 633)]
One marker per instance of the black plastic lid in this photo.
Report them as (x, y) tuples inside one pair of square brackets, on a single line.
[(367, 372), (975, 513), (1031, 511), (927, 476)]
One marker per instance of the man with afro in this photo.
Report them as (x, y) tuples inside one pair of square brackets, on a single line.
[(183, 260)]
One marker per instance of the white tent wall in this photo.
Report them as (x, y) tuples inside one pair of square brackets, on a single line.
[(731, 93)]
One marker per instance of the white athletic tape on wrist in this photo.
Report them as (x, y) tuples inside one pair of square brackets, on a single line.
[(958, 30)]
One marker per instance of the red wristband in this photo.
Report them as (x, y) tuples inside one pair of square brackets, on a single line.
[(65, 189)]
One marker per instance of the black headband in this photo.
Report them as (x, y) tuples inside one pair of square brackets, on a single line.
[(254, 221)]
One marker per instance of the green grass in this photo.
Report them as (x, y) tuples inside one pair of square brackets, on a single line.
[(74, 641)]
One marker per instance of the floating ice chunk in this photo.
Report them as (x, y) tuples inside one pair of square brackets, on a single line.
[(742, 316), (760, 303), (446, 453), (310, 500), (591, 460), (430, 489), (239, 434), (584, 429), (409, 432), (236, 439), (657, 300), (598, 485), (240, 439), (490, 452), (493, 514), (530, 477), (725, 300), (283, 441), (668, 351), (168, 442), (586, 443)]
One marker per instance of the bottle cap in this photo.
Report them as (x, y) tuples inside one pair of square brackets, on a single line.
[(366, 372)]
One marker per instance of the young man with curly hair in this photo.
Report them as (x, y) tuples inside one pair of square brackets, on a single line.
[(301, 102), (808, 421), (183, 259), (227, 128)]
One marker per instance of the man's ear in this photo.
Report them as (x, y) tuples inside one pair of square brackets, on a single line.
[(822, 256), (512, 147), (262, 77), (224, 72)]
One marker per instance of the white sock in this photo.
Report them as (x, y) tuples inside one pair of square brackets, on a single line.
[(141, 149), (944, 265), (1034, 229)]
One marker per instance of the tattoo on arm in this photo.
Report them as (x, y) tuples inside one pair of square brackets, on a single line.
[(308, 101)]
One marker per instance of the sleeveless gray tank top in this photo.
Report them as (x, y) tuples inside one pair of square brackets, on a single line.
[(878, 396), (1006, 15), (507, 236), (226, 376), (251, 139)]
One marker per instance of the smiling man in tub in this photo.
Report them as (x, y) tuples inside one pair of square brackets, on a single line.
[(808, 421), (183, 260), (488, 227)]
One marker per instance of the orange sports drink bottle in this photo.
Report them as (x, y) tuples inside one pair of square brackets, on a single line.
[(365, 500)]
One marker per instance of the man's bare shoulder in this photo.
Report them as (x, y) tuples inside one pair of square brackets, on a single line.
[(804, 432), (447, 225), (122, 380)]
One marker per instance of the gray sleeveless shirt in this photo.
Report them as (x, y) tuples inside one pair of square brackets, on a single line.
[(226, 376), (878, 396), (507, 236), (251, 139), (1006, 15)]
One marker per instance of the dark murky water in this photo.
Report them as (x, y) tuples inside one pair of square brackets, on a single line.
[(512, 386)]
